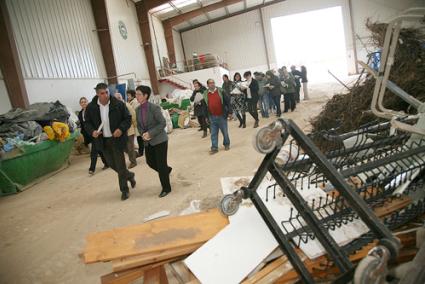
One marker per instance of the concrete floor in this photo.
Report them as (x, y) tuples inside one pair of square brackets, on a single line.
[(42, 229)]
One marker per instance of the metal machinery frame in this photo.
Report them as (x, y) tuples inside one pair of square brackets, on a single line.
[(382, 76), (361, 176), (364, 169)]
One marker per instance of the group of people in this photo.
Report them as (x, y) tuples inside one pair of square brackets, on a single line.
[(214, 106), (111, 126), (265, 92)]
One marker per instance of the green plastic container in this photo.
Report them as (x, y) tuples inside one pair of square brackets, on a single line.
[(175, 120), (185, 104), (167, 105), (34, 162)]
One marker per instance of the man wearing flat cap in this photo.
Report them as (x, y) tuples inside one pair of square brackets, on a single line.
[(107, 120)]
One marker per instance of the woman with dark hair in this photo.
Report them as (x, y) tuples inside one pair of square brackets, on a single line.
[(273, 84), (227, 88), (238, 101), (151, 125), (200, 107), (304, 82)]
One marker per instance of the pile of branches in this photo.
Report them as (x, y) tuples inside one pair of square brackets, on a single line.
[(349, 111)]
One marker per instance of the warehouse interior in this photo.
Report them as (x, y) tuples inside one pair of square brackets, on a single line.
[(67, 224)]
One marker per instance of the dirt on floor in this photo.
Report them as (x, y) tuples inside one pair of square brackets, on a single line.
[(42, 230)]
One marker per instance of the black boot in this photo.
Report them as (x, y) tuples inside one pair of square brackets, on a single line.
[(240, 119), (125, 195), (205, 134), (244, 121), (132, 181), (256, 124)]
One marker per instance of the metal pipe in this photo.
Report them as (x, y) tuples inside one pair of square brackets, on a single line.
[(394, 88), (403, 95)]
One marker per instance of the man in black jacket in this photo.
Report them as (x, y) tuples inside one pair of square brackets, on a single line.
[(107, 120), (94, 152), (252, 97)]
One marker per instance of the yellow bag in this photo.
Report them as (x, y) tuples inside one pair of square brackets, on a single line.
[(61, 131), (49, 131)]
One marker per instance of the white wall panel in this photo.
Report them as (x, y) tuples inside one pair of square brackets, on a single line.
[(178, 48), (158, 40), (128, 53), (67, 91), (55, 38), (238, 40)]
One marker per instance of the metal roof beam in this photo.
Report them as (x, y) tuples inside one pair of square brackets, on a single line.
[(192, 14), (232, 15)]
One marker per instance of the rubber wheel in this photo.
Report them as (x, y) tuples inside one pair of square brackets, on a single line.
[(364, 269), (262, 142), (228, 205)]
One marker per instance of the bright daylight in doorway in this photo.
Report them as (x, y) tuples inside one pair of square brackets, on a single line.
[(315, 39)]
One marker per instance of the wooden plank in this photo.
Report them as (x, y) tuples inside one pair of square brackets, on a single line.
[(122, 277), (127, 276), (182, 273), (266, 270), (155, 236), (144, 259), (391, 206), (155, 275)]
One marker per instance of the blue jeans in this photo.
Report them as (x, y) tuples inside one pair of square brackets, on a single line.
[(271, 102), (216, 123), (265, 105)]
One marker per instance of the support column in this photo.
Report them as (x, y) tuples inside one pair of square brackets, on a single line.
[(168, 32), (9, 62), (142, 9), (266, 48), (102, 27)]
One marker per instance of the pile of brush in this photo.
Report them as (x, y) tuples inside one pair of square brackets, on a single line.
[(349, 111)]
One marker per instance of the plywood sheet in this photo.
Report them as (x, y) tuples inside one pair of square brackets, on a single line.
[(154, 236)]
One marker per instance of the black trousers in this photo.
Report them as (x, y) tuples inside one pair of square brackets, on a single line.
[(156, 158), (203, 122), (252, 108), (297, 93), (141, 145), (276, 101), (114, 156), (289, 101), (94, 152)]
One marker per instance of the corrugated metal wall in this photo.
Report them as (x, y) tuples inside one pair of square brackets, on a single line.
[(55, 38)]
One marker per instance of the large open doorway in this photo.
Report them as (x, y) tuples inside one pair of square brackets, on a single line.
[(315, 39)]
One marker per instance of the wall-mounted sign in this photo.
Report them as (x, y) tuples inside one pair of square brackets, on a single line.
[(123, 29)]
